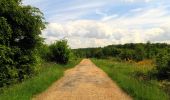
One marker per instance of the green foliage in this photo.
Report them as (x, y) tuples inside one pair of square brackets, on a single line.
[(127, 54), (131, 51), (8, 71), (60, 51), (124, 74), (44, 52), (4, 28), (163, 65), (49, 73), (20, 27), (140, 52), (134, 52), (99, 53)]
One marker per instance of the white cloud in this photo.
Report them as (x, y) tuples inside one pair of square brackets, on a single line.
[(152, 24), (109, 17), (80, 28), (138, 24), (136, 10), (91, 34)]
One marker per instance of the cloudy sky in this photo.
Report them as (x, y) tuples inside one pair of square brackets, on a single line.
[(97, 23)]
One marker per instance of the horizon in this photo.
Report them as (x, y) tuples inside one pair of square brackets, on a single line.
[(99, 23)]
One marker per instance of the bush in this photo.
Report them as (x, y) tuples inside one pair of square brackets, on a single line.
[(98, 53), (60, 51), (127, 54), (44, 52), (163, 65), (8, 72), (20, 29)]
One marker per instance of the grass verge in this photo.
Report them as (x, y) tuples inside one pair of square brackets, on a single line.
[(27, 89), (124, 75)]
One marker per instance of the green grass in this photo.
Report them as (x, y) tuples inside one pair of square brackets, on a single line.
[(124, 75), (27, 89)]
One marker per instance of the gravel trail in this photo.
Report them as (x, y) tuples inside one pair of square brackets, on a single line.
[(84, 82)]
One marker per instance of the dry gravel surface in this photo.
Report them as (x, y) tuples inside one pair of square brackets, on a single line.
[(84, 82)]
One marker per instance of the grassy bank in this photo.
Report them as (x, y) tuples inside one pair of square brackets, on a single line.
[(27, 89), (125, 75)]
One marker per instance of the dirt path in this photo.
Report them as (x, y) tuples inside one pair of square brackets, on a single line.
[(84, 82)]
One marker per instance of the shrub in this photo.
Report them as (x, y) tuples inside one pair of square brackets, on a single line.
[(8, 72), (44, 52), (127, 54), (98, 53), (60, 51), (163, 65), (20, 27)]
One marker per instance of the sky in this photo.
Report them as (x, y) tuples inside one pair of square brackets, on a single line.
[(98, 23)]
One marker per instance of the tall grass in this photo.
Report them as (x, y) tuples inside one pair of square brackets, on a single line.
[(27, 89), (124, 75)]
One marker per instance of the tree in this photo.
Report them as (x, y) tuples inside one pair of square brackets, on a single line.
[(60, 52), (98, 53), (20, 27), (127, 54), (139, 52), (163, 65)]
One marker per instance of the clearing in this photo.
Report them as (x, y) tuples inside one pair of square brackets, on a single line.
[(84, 82)]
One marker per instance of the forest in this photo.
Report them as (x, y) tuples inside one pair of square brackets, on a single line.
[(158, 52)]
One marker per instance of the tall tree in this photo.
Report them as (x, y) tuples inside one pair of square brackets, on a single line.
[(20, 27)]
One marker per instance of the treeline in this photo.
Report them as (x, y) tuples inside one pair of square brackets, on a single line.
[(21, 47), (159, 52), (131, 51)]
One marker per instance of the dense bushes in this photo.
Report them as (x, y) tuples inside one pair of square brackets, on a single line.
[(20, 27), (159, 52), (127, 54), (21, 47), (163, 65), (44, 52), (8, 71), (131, 51), (59, 52)]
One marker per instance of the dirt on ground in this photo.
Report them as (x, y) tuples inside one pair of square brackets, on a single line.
[(84, 82)]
